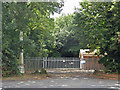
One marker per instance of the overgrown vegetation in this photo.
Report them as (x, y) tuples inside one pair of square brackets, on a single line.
[(98, 23), (9, 64), (42, 71), (33, 19), (94, 26)]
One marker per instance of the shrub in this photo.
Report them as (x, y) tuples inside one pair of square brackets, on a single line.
[(43, 71), (36, 72), (9, 64)]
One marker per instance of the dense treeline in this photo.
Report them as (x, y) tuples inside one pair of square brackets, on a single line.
[(99, 23), (94, 26), (33, 19), (66, 42)]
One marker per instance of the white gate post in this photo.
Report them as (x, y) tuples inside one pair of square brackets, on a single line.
[(80, 64), (21, 66)]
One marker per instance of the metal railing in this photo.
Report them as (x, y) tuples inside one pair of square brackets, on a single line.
[(63, 62), (36, 63)]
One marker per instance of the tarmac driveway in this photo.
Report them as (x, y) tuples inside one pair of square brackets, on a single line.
[(63, 82)]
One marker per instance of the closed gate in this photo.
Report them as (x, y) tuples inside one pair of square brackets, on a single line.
[(36, 63), (52, 62)]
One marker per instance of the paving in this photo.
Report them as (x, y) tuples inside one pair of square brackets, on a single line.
[(63, 82)]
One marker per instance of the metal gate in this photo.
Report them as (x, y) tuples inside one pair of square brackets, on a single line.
[(33, 63), (36, 63), (52, 62)]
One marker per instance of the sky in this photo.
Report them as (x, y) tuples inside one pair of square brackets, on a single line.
[(68, 7)]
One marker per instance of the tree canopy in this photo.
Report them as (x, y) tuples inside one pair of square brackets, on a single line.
[(34, 21), (93, 26), (98, 22)]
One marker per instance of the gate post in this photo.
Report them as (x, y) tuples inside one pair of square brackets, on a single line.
[(21, 60), (81, 64)]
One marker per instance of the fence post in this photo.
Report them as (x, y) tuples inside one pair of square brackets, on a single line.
[(43, 63), (80, 64)]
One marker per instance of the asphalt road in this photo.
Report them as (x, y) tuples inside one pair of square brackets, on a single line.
[(63, 82)]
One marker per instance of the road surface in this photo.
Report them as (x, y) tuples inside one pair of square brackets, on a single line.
[(63, 82)]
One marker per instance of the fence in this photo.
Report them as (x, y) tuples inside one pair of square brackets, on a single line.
[(36, 63), (64, 62), (92, 64)]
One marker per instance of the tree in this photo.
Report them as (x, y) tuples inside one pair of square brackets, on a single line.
[(100, 25), (34, 21), (65, 41)]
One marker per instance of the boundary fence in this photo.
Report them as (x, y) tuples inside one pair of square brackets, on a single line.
[(36, 63)]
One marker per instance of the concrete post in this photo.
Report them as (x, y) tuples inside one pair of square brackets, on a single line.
[(21, 66)]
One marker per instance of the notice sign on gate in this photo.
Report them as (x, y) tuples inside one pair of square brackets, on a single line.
[(83, 61), (63, 60)]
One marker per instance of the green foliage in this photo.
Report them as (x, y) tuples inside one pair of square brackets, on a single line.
[(94, 25), (34, 21), (9, 63), (97, 25), (66, 42), (36, 72), (43, 71)]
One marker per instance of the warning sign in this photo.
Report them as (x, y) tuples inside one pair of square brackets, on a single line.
[(83, 61)]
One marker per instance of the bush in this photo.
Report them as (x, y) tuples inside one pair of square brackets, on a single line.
[(9, 64), (43, 71), (36, 72)]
